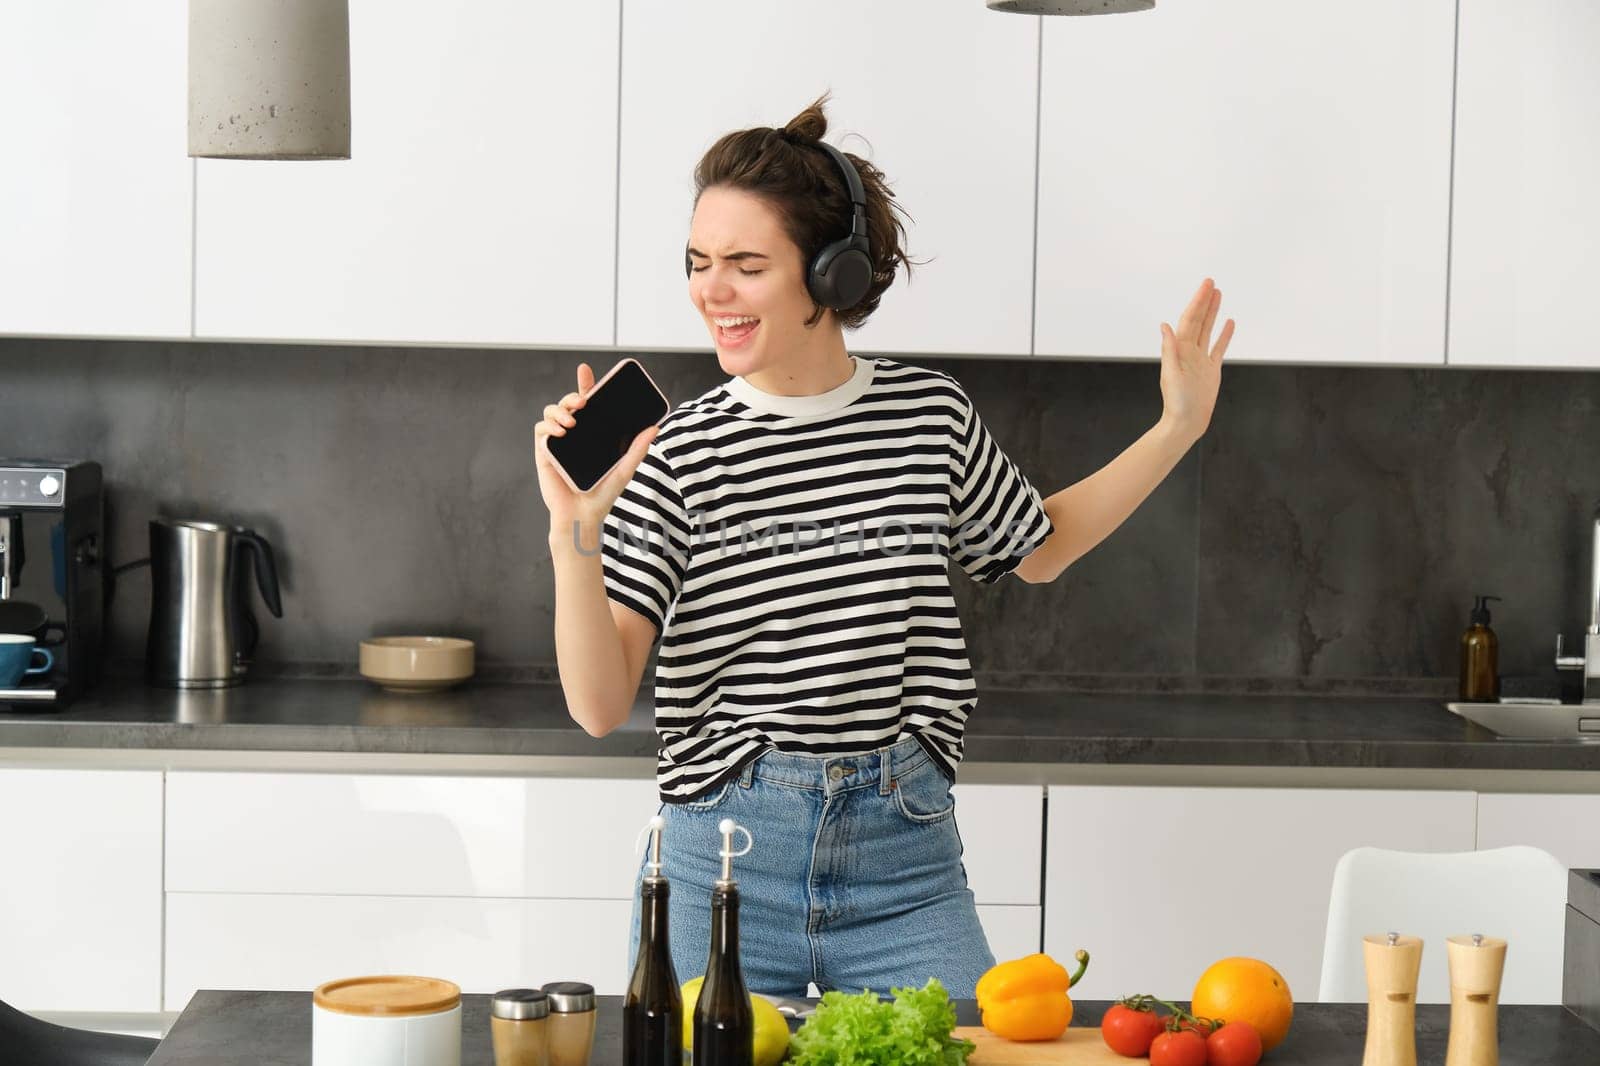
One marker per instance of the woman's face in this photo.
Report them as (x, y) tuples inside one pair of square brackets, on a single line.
[(744, 266)]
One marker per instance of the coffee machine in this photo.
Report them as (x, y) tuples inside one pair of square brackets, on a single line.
[(52, 580)]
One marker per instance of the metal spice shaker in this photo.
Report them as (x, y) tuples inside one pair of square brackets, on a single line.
[(571, 1022), (518, 1026)]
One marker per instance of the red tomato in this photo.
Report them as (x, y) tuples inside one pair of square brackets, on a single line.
[(1129, 1032), (1235, 1044), (1182, 1048)]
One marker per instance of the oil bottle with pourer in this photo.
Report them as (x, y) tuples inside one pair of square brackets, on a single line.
[(652, 1010), (724, 1023)]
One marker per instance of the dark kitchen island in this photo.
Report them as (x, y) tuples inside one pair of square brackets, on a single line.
[(274, 1029)]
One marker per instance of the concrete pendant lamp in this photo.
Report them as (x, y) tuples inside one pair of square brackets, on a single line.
[(269, 79), (1070, 7)]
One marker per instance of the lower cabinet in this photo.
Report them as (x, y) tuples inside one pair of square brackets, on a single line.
[(283, 881), (1158, 883), (1002, 843), (294, 943), (1002, 829), (80, 890), (405, 835), (1567, 826), (1012, 932)]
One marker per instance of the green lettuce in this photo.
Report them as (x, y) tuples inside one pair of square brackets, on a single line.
[(862, 1030)]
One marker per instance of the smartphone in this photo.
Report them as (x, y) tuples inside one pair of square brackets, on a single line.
[(619, 407)]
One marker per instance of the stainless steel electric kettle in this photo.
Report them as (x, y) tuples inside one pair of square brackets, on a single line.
[(202, 632)]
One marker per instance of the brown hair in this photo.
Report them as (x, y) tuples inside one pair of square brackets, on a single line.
[(807, 190)]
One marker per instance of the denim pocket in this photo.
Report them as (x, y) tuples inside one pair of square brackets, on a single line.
[(713, 798), (924, 795)]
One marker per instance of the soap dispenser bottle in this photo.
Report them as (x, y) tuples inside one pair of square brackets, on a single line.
[(1480, 657)]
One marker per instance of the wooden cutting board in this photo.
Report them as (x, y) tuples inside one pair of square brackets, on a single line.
[(1078, 1046)]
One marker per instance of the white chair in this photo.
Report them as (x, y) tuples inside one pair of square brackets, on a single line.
[(1518, 894)]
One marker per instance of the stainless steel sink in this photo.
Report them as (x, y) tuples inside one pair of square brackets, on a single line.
[(1579, 722)]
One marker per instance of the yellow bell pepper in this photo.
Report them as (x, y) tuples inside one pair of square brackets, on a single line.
[(1026, 998)]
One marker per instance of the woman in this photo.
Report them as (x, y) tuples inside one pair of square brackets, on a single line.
[(787, 536)]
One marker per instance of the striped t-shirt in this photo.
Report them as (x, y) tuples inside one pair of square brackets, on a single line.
[(793, 553)]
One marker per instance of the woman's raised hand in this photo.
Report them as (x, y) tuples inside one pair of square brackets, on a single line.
[(585, 510), (1191, 367)]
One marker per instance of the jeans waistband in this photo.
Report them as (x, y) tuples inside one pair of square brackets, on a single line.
[(837, 772)]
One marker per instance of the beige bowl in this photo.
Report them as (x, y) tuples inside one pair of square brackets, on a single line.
[(416, 664)]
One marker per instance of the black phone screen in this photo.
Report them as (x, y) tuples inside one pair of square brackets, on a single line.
[(604, 427)]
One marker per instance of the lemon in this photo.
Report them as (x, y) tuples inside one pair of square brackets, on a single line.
[(771, 1029)]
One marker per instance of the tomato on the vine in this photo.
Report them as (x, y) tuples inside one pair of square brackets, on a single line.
[(1129, 1031), (1180, 1047), (1235, 1044)]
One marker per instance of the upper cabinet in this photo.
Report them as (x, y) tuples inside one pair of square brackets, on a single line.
[(1068, 182), (1523, 270), (1297, 153), (941, 97), (95, 187), (479, 204)]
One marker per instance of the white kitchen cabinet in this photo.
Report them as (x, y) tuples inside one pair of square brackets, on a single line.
[(949, 120), (1012, 932), (294, 943), (285, 880), (401, 835), (1567, 826), (1527, 151), (80, 891), (95, 193), (478, 205), (1297, 153), (488, 836), (1002, 837), (1158, 883)]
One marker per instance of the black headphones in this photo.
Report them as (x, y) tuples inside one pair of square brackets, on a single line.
[(841, 273)]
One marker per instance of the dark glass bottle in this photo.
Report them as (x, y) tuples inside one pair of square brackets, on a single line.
[(652, 1012), (724, 1024), (1480, 652)]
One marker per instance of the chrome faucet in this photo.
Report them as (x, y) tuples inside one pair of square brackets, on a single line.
[(1589, 661)]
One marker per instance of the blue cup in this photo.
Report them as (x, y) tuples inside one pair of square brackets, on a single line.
[(17, 654)]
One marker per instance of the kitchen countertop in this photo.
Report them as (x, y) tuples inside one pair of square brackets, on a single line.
[(274, 1029), (1037, 735)]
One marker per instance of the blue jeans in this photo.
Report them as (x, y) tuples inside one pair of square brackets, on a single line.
[(854, 879)]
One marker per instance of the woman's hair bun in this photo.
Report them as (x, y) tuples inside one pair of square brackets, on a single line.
[(810, 124)]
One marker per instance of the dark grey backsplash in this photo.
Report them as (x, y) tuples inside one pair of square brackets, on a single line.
[(1333, 525)]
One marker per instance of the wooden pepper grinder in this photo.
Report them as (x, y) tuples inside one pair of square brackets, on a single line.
[(1393, 962), (1476, 963)]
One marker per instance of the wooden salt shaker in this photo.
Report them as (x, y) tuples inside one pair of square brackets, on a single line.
[(1476, 963), (1393, 962)]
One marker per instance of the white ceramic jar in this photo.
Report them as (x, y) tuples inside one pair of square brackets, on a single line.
[(389, 1020)]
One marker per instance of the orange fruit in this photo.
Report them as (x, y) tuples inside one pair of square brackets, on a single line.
[(1246, 990)]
